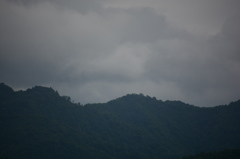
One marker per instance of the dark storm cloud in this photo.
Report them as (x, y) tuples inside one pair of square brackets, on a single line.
[(206, 68), (95, 51), (59, 48)]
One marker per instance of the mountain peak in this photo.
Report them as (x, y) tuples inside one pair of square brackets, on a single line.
[(135, 97), (40, 88)]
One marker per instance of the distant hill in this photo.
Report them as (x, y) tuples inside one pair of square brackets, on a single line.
[(40, 124)]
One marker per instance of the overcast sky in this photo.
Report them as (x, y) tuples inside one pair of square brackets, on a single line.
[(98, 50)]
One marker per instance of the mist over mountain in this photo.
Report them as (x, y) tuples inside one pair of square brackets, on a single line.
[(39, 123)]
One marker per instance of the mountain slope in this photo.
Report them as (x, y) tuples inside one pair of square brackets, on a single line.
[(225, 154), (38, 123)]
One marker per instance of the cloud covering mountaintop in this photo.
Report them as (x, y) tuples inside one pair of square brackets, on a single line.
[(95, 51)]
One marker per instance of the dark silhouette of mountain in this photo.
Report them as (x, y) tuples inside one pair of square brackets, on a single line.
[(39, 123), (225, 154)]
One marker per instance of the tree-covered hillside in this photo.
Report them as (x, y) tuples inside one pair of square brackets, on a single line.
[(39, 123), (225, 154)]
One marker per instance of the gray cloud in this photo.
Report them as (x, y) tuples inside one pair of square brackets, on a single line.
[(95, 51), (82, 6), (204, 68), (145, 26)]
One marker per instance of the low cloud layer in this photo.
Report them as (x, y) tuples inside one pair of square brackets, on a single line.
[(95, 51)]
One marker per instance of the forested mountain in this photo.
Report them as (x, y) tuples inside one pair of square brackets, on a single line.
[(40, 124), (225, 154)]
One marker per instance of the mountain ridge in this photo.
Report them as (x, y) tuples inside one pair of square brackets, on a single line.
[(7, 89), (39, 123)]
